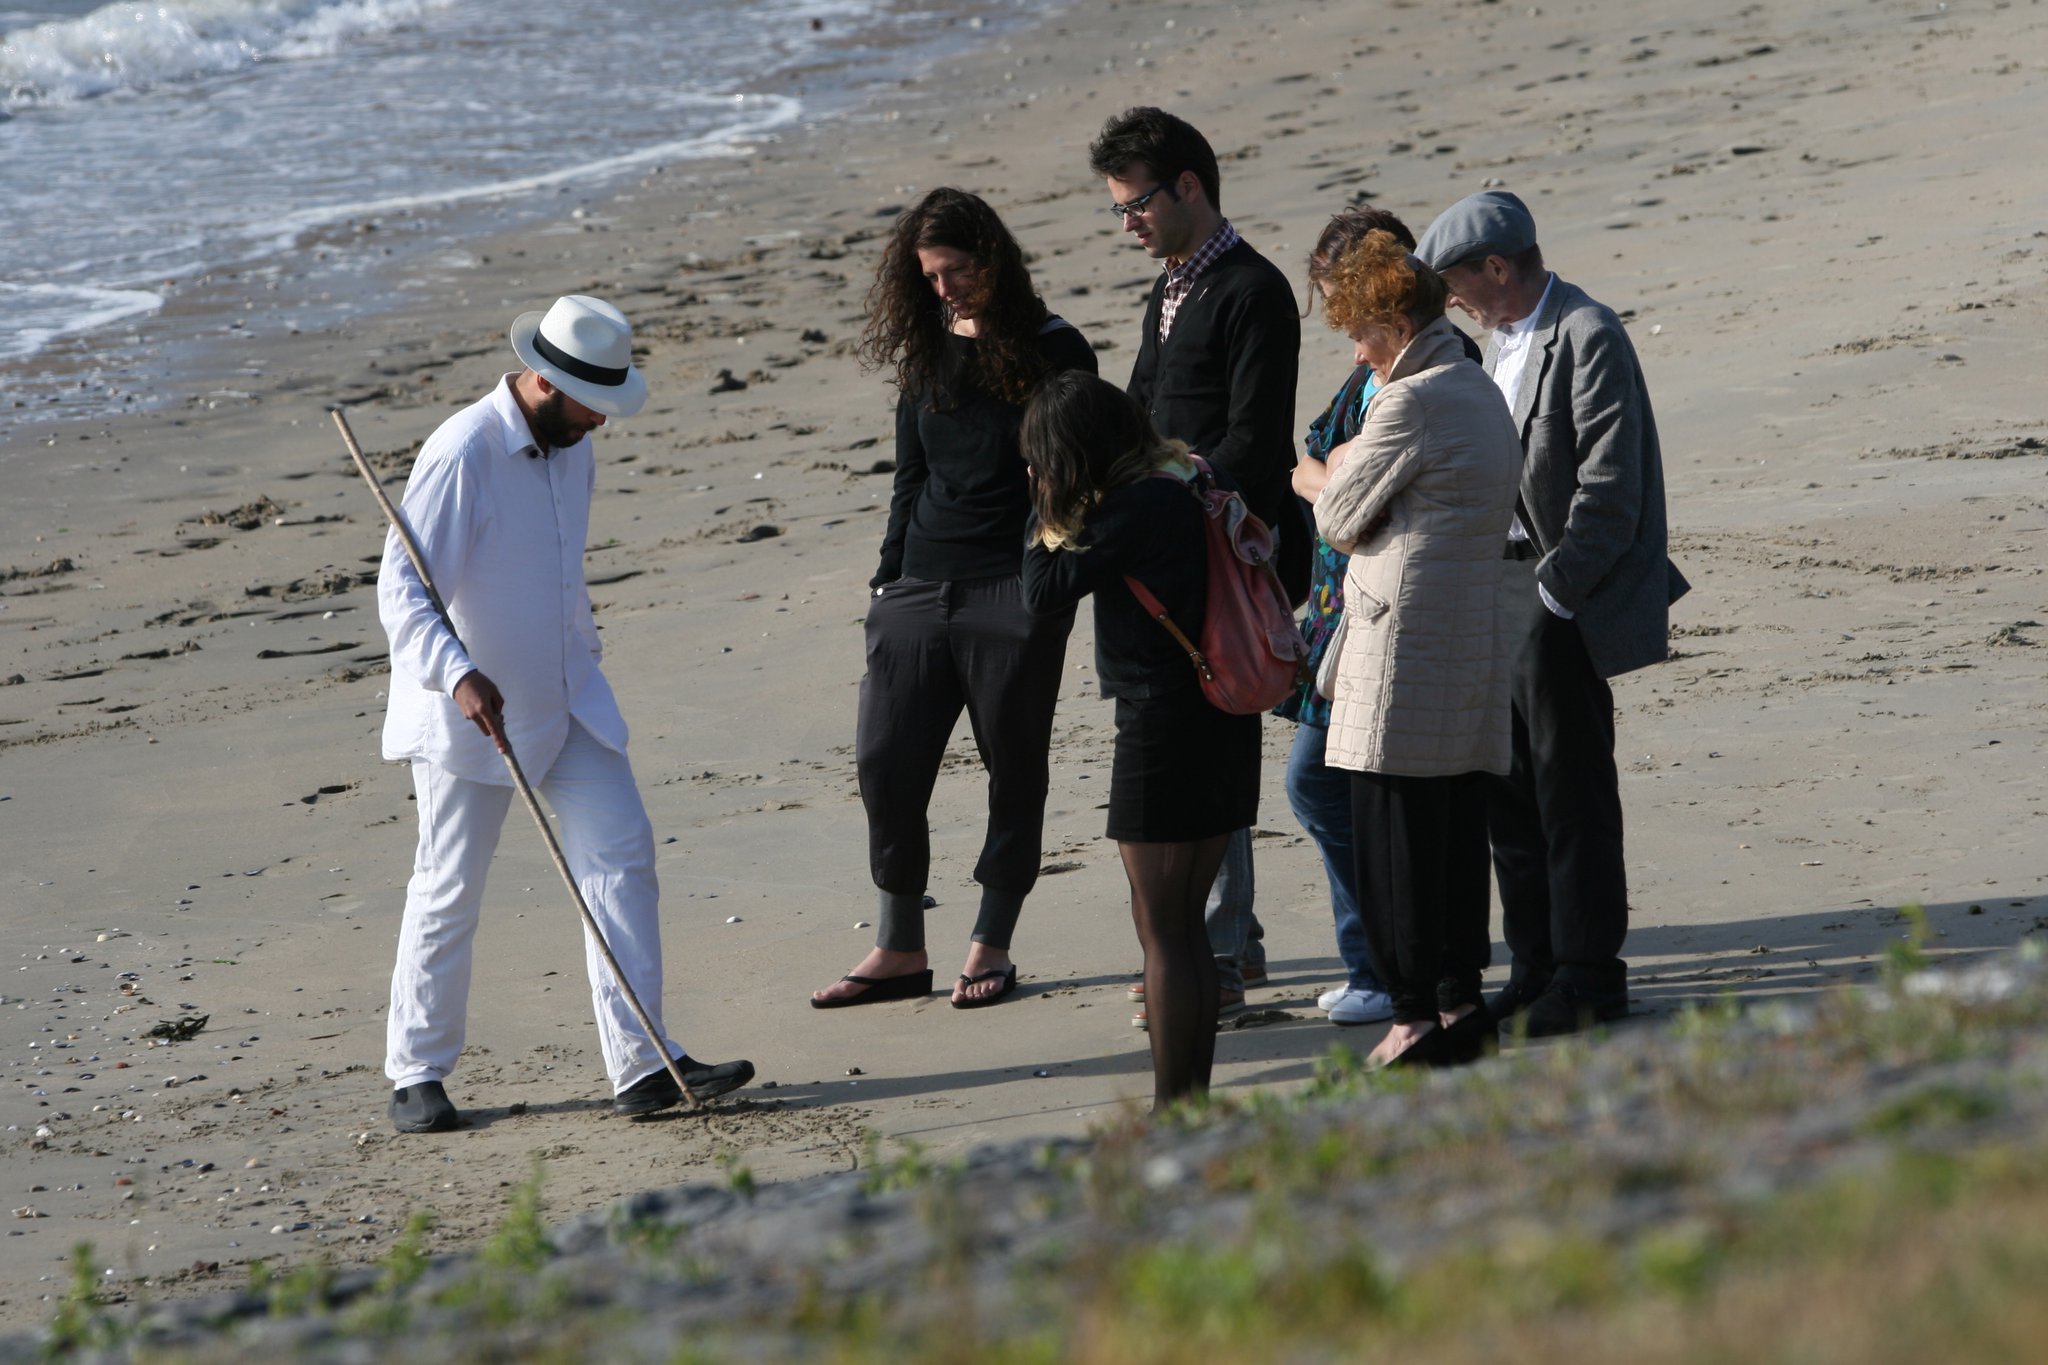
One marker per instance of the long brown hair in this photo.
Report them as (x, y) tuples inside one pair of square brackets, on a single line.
[(1081, 437), (907, 324)]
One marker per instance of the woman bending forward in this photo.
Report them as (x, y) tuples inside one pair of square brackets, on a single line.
[(1185, 775)]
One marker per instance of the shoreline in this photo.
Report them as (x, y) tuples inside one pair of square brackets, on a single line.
[(1848, 724), (312, 271)]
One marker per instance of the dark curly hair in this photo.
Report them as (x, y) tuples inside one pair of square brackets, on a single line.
[(907, 324)]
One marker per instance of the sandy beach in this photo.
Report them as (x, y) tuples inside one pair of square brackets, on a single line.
[(1822, 223)]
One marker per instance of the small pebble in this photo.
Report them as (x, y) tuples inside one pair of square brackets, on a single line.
[(861, 924), (732, 919), (855, 1071)]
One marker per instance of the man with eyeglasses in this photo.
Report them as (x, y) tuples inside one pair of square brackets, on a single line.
[(1216, 368)]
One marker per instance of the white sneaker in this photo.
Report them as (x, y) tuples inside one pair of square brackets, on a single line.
[(1362, 1007), (1327, 1001)]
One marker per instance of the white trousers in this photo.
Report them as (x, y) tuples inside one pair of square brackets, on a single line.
[(605, 835)]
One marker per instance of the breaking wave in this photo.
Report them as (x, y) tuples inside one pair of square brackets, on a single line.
[(135, 46)]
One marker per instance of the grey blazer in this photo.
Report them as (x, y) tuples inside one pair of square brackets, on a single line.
[(1592, 491)]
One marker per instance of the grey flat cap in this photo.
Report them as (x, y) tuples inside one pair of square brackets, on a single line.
[(1489, 223)]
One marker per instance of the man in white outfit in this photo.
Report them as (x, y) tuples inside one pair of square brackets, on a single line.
[(499, 503)]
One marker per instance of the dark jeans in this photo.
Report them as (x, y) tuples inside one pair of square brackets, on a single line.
[(1421, 851), (1555, 819), (933, 649)]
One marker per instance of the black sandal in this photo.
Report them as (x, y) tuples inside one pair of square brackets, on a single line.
[(909, 986), (1007, 975)]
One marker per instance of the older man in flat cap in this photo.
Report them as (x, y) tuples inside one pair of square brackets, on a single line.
[(1590, 584), (499, 502)]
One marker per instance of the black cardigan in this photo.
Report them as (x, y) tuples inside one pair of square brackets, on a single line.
[(960, 500), (1224, 383)]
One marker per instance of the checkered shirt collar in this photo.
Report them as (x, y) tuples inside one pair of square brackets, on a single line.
[(1180, 279)]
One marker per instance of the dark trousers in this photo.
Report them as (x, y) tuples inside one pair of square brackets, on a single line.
[(1420, 845), (933, 649), (1555, 819)]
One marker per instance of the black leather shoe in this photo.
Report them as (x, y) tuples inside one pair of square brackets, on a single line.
[(1432, 1050), (1471, 1038), (1565, 1008), (708, 1080), (1515, 998), (423, 1108)]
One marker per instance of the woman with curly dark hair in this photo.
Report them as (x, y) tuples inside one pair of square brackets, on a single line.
[(952, 311)]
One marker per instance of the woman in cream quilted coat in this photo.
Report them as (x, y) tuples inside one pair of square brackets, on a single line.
[(1418, 677)]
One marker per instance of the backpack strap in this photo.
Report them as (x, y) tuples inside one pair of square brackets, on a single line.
[(1157, 611)]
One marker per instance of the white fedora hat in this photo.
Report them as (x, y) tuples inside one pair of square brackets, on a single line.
[(584, 347)]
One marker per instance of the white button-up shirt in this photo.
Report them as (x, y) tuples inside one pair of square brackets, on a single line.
[(502, 531), (1511, 347), (1512, 342)]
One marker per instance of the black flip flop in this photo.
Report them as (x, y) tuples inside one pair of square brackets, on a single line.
[(909, 986), (1007, 975)]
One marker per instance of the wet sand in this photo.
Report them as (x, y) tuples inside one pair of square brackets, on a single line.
[(1820, 222)]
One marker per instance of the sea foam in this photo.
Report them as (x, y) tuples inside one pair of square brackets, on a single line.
[(139, 46)]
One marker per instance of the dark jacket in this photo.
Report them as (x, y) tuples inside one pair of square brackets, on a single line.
[(1593, 482), (1224, 383)]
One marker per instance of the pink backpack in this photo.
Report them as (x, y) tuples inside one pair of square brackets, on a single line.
[(1251, 654)]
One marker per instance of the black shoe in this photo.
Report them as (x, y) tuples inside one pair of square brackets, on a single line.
[(1432, 1049), (1565, 1008), (423, 1108), (1471, 1038), (708, 1080), (1516, 997)]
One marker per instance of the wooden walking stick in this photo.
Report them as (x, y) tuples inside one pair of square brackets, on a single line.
[(540, 819)]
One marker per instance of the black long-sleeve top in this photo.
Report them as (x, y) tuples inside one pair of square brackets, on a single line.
[(1152, 530), (960, 500), (1223, 381)]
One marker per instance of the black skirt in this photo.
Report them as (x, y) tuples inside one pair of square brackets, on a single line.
[(1183, 770)]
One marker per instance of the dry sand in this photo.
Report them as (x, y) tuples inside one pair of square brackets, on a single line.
[(1822, 221)]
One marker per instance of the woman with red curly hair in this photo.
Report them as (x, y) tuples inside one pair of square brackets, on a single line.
[(954, 315), (1418, 683)]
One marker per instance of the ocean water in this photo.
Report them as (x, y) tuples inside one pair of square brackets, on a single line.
[(144, 146)]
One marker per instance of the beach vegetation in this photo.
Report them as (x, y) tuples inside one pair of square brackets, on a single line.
[(739, 1177), (521, 1241), (82, 1321)]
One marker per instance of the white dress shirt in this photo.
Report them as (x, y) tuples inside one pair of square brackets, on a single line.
[(1512, 342), (502, 530)]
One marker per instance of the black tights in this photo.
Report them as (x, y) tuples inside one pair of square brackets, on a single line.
[(1169, 890)]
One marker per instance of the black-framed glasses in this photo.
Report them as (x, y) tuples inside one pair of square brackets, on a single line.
[(1125, 212)]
